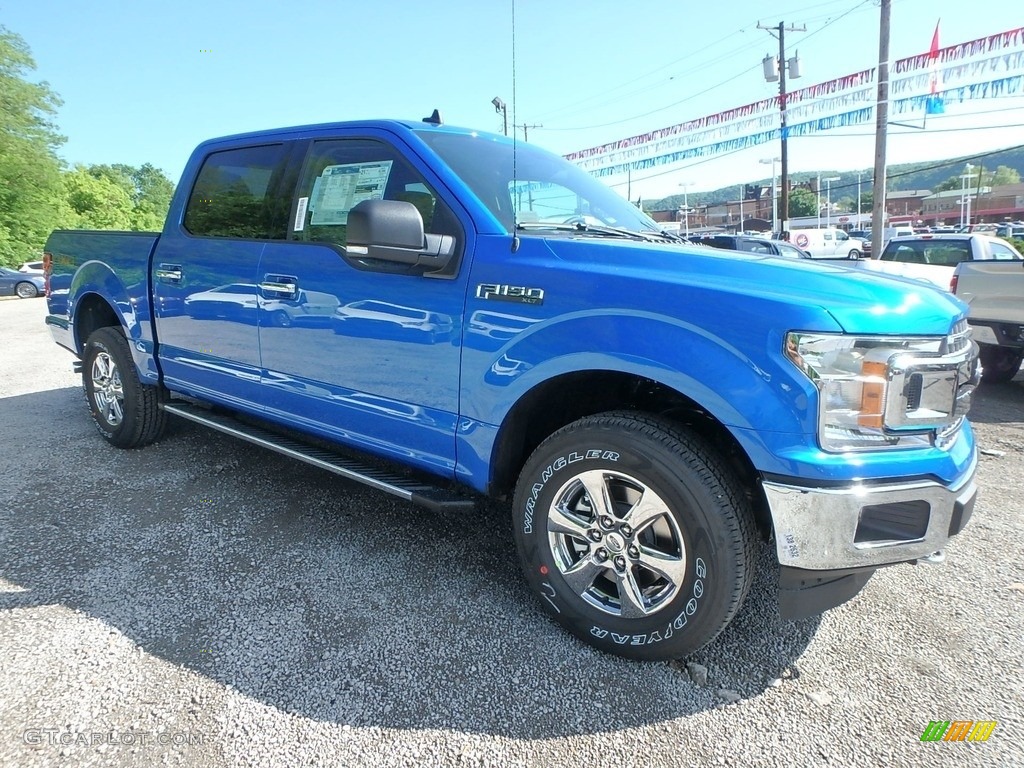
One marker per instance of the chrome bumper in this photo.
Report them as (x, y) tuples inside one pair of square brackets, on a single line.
[(867, 526)]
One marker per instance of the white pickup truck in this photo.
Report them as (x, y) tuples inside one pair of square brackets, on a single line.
[(994, 291), (933, 258)]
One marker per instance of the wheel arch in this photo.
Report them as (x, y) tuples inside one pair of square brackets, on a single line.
[(565, 398)]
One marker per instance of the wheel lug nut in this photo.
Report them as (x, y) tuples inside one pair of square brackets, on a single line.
[(606, 521), (601, 554), (594, 534), (626, 530), (633, 551), (620, 563)]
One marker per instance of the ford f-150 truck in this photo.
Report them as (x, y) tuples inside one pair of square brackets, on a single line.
[(994, 293), (443, 314)]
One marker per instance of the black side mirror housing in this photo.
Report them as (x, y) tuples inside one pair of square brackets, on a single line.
[(392, 230)]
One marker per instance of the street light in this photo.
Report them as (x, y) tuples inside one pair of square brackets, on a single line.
[(686, 208), (828, 199), (501, 108), (775, 197), (965, 197)]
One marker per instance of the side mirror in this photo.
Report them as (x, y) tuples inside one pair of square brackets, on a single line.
[(392, 230)]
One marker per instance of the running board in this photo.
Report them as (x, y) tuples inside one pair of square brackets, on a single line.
[(434, 497)]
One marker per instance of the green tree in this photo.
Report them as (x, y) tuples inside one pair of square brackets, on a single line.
[(96, 200), (867, 201), (148, 189), (802, 202), (30, 183)]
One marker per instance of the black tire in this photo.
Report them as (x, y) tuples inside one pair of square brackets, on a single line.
[(280, 318), (1000, 364), (26, 290), (127, 412), (853, 254), (703, 532)]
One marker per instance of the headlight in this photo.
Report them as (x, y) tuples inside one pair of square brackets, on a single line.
[(854, 376)]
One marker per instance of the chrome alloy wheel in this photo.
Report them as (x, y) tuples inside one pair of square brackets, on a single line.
[(616, 544), (107, 391)]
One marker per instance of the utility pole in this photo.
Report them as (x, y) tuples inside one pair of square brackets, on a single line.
[(881, 133), (526, 127), (794, 66)]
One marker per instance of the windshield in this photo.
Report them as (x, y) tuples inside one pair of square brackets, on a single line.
[(544, 190)]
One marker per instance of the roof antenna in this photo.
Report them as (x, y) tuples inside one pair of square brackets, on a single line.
[(435, 118)]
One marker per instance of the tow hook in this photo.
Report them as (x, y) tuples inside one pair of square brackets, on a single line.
[(935, 558)]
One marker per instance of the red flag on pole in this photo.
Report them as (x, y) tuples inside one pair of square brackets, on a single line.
[(934, 105)]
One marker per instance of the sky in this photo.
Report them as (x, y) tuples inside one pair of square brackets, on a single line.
[(144, 81)]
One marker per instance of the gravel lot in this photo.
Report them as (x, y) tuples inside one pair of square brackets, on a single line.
[(202, 602)]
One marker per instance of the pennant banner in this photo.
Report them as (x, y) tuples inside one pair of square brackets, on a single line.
[(1014, 38), (1005, 86), (831, 104), (855, 117)]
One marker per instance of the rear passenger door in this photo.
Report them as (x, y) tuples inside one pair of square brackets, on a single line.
[(205, 277), (359, 351)]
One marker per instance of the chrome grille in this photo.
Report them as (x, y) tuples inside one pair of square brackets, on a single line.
[(959, 337)]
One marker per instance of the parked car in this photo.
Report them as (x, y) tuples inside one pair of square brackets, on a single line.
[(827, 243), (751, 244), (20, 284), (32, 268), (1010, 231), (932, 258)]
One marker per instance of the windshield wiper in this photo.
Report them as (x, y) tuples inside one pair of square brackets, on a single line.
[(596, 229)]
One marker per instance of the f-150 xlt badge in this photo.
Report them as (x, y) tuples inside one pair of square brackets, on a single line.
[(516, 293)]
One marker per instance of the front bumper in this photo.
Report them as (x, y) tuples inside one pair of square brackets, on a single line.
[(831, 540), (861, 525)]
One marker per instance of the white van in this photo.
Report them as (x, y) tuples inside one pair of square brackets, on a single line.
[(827, 243)]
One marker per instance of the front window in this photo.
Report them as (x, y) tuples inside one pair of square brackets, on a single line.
[(523, 185)]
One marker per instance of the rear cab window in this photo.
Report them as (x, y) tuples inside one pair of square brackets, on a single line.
[(239, 193)]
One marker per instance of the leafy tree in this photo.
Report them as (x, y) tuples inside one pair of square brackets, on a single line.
[(30, 184), (148, 189), (802, 202), (97, 201), (867, 201)]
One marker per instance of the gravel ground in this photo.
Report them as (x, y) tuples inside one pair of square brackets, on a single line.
[(204, 603)]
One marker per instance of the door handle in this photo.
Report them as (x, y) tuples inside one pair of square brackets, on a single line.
[(171, 272), (279, 287)]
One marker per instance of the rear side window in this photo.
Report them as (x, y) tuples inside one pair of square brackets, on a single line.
[(237, 194), (1001, 253)]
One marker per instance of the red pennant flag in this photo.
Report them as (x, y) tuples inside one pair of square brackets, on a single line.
[(934, 105)]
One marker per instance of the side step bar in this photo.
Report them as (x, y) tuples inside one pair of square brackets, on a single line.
[(434, 497)]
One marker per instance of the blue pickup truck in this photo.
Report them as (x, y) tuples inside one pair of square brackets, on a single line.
[(445, 314)]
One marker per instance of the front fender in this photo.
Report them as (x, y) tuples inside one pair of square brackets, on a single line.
[(750, 390)]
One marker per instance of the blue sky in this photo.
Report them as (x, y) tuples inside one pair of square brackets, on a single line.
[(145, 81)]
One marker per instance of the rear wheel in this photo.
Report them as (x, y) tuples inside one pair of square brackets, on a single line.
[(127, 412), (635, 535), (1000, 364), (854, 254), (26, 291)]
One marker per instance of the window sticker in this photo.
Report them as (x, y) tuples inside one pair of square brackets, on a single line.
[(300, 215), (340, 187)]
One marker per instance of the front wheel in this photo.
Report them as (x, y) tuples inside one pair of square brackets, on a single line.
[(26, 291), (1000, 364), (127, 412), (854, 254), (635, 535)]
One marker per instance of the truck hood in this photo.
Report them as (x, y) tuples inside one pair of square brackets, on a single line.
[(859, 301)]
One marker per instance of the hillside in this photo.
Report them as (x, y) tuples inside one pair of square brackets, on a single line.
[(904, 176)]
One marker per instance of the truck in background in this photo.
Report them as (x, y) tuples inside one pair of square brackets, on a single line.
[(994, 292)]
